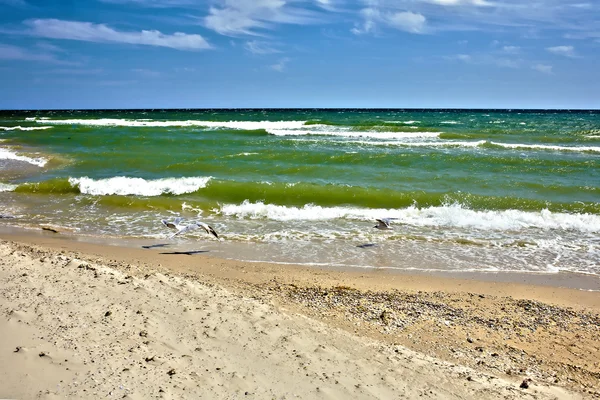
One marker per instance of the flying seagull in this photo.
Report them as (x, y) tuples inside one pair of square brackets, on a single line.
[(173, 225), (384, 223), (176, 224)]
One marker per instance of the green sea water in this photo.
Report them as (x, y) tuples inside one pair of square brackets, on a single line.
[(482, 190)]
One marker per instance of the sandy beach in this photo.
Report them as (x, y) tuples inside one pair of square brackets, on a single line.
[(85, 320)]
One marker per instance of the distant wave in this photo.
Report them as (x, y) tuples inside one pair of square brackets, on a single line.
[(484, 143), (595, 149), (354, 134), (121, 185), (7, 154), (424, 144), (245, 125), (452, 215), (242, 154), (24, 128)]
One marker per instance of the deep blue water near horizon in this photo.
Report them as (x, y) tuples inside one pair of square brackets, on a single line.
[(470, 190)]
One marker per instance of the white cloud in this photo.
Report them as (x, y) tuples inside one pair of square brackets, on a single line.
[(49, 47), (77, 71), (458, 2), (567, 51), (511, 49), (546, 69), (10, 52), (244, 17), (521, 17), (407, 21), (153, 3), (90, 32), (370, 16), (505, 62), (257, 47), (485, 59), (462, 57), (280, 66), (402, 20)]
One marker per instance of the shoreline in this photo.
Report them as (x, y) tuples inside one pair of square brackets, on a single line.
[(512, 331), (142, 247)]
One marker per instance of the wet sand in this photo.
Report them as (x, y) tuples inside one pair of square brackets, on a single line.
[(84, 320)]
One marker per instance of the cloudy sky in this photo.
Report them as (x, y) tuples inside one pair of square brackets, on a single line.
[(299, 53)]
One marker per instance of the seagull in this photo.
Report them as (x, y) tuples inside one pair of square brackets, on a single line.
[(173, 225), (384, 223), (176, 224)]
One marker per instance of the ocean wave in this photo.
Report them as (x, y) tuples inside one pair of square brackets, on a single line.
[(595, 149), (353, 134), (423, 144), (7, 187), (244, 125), (483, 143), (122, 185), (24, 128), (451, 215), (6, 154), (243, 154)]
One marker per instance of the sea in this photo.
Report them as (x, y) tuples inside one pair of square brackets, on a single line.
[(467, 190)]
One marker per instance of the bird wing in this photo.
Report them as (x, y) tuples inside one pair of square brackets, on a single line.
[(168, 224), (384, 222), (178, 220), (209, 229), (184, 229)]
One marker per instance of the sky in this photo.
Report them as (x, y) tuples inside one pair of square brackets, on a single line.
[(73, 54)]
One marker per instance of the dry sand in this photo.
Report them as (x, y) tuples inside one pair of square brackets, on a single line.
[(81, 320)]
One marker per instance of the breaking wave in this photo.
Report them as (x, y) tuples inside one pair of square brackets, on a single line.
[(7, 154), (451, 215), (121, 185)]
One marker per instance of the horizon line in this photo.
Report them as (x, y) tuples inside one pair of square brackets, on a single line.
[(300, 108)]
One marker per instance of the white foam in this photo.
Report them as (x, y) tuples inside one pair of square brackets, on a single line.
[(24, 128), (452, 215), (354, 134), (424, 144), (450, 122), (246, 125), (547, 147), (6, 154), (7, 187), (122, 185), (242, 154)]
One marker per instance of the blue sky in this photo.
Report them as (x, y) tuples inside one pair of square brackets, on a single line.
[(299, 53)]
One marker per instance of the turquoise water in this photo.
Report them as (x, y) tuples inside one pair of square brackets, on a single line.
[(471, 190)]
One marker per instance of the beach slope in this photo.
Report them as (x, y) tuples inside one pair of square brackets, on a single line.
[(89, 327)]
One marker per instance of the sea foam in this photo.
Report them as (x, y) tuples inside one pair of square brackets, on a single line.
[(353, 134), (595, 149), (245, 125), (122, 185), (24, 128), (451, 215), (6, 154), (7, 187)]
